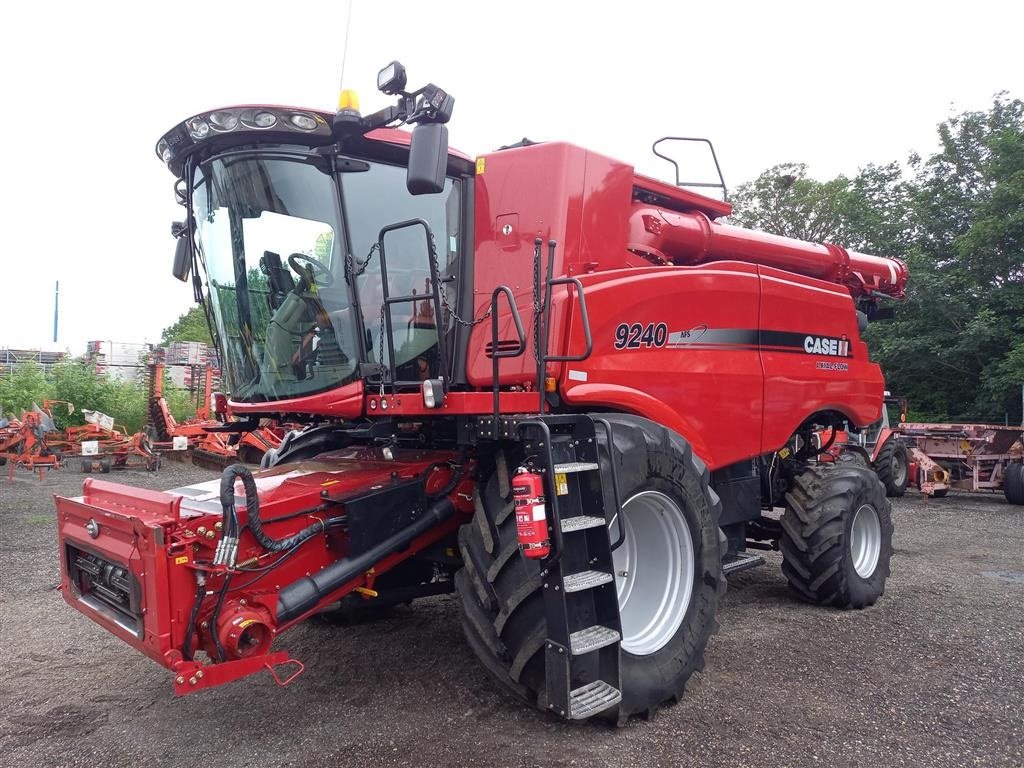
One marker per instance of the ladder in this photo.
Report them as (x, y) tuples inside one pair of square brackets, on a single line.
[(582, 647)]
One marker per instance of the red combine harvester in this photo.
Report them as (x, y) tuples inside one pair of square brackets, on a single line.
[(560, 388)]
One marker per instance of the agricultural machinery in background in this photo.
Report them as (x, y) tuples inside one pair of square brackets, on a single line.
[(877, 446), (210, 441), (29, 441), (566, 391), (100, 445), (968, 457), (934, 457)]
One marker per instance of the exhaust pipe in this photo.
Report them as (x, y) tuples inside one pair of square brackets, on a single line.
[(303, 595)]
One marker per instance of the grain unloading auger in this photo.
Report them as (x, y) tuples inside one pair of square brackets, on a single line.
[(560, 388)]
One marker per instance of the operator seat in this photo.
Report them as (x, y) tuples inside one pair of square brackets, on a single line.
[(279, 278)]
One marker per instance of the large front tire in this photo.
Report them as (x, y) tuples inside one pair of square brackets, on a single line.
[(837, 536), (893, 467), (503, 609)]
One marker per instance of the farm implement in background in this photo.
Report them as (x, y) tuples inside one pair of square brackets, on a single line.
[(968, 457), (211, 442), (29, 442)]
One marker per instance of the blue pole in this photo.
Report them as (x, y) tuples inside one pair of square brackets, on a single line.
[(56, 303)]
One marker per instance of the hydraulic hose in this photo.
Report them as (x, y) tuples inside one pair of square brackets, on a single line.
[(252, 506)]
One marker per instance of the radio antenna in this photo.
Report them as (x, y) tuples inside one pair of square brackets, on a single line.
[(344, 53)]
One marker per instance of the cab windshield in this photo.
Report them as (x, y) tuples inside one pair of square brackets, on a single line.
[(272, 234)]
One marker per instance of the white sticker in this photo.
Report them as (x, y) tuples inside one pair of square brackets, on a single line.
[(577, 375), (179, 443), (538, 512), (90, 447)]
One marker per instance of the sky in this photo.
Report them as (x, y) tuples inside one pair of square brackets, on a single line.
[(90, 87)]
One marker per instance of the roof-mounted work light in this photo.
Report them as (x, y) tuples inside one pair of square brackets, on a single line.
[(392, 79)]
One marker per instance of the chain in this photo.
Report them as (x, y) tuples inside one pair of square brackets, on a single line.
[(449, 309), (350, 262), (380, 348), (538, 308)]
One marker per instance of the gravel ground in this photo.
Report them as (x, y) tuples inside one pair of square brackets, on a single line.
[(933, 675)]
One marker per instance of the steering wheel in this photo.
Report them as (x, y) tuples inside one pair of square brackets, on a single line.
[(318, 272)]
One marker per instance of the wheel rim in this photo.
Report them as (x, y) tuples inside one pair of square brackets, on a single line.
[(654, 571), (898, 470), (865, 540)]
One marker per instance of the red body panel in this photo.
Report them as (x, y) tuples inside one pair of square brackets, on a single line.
[(734, 376)]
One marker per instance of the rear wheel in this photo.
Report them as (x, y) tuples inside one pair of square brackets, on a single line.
[(837, 536), (668, 573), (1013, 483), (893, 467)]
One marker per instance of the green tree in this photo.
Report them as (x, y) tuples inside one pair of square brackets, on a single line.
[(866, 213), (191, 326), (25, 385), (956, 346)]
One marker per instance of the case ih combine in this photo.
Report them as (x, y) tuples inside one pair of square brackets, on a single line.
[(560, 388)]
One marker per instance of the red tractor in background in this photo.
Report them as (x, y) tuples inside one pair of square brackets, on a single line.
[(878, 446), (564, 390)]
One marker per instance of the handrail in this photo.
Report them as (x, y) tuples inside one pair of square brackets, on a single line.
[(496, 353), (543, 358), (388, 301)]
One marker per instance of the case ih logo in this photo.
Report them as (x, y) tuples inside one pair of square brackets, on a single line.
[(827, 345)]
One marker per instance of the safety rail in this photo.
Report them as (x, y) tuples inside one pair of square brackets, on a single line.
[(542, 332), (389, 301), (496, 352)]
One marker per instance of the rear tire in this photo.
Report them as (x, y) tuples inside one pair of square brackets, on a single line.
[(893, 467), (837, 536), (1013, 483), (500, 590)]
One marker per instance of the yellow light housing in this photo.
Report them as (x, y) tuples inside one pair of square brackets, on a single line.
[(348, 101), (550, 385)]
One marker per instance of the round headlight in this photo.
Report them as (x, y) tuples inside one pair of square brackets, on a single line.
[(198, 128), (303, 122), (223, 120), (260, 119), (164, 151)]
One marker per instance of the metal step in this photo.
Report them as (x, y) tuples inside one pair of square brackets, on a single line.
[(741, 563), (581, 523), (592, 698), (575, 466), (576, 582), (592, 638)]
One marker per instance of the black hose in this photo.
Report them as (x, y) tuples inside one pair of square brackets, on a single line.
[(252, 506), (186, 650), (458, 469), (215, 615)]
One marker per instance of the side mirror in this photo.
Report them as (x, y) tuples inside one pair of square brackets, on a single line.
[(182, 253), (428, 159)]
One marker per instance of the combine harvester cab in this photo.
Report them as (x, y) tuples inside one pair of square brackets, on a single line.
[(563, 390)]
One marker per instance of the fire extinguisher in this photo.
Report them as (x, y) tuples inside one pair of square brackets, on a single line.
[(531, 513)]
